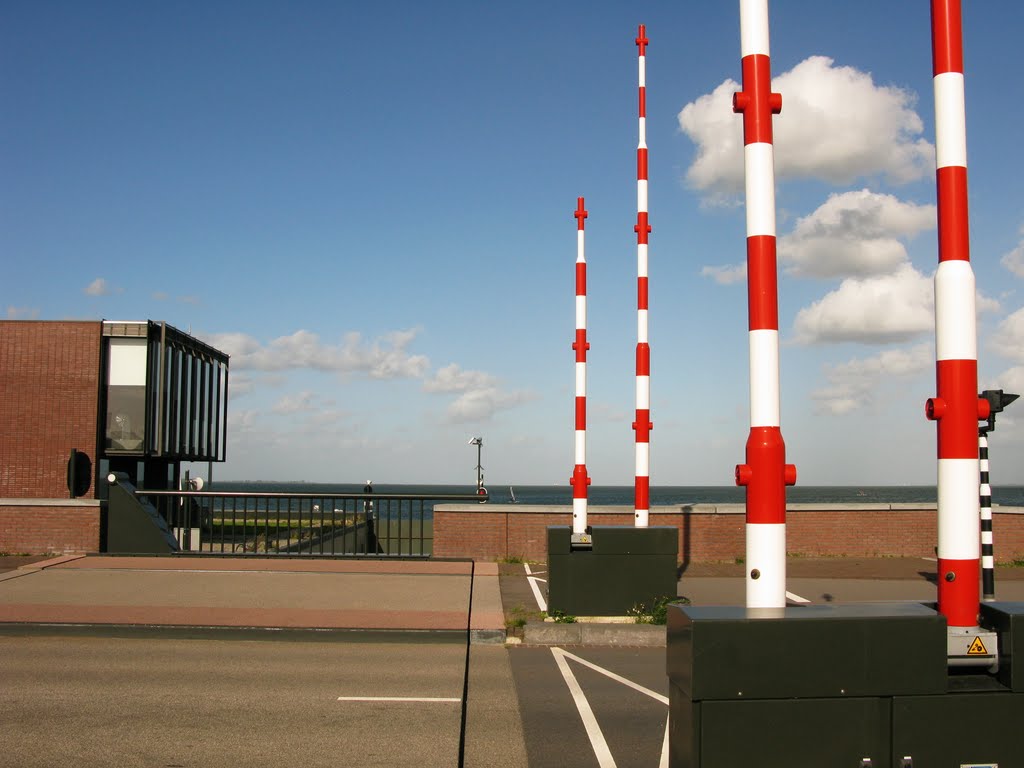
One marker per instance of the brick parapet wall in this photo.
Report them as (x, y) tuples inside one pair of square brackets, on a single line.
[(49, 391), (715, 533), (45, 526)]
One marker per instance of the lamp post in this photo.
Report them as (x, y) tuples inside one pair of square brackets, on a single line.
[(479, 443)]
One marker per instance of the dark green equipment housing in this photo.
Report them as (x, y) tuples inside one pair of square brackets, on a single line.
[(859, 685), (624, 567)]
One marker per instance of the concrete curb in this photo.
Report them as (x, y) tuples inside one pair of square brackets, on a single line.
[(546, 633)]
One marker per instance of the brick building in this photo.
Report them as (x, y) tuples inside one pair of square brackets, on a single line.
[(132, 397)]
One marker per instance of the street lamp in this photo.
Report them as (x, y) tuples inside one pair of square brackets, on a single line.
[(479, 443)]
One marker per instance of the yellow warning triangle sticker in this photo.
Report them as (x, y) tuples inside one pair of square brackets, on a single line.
[(977, 648)]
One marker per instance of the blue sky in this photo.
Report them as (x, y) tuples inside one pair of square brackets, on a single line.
[(369, 206)]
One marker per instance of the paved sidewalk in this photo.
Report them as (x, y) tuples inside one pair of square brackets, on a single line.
[(255, 593)]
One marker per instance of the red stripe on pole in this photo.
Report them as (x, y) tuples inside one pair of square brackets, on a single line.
[(642, 493), (641, 293), (643, 101), (581, 412), (581, 278), (954, 230), (642, 228), (580, 213), (643, 359), (756, 101), (957, 382), (762, 283), (581, 345), (766, 476), (641, 164), (959, 597), (641, 39), (579, 481), (947, 37), (643, 426)]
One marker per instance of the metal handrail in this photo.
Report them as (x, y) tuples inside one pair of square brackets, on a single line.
[(316, 524)]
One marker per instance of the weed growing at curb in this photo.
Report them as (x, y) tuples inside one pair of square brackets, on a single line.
[(659, 611), (561, 617)]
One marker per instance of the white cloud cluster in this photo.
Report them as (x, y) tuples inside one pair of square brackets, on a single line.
[(854, 234), (852, 384), (836, 125), (726, 275), (480, 395), (384, 358), (22, 313), (298, 402), (1014, 260), (881, 309), (99, 287), (1008, 339)]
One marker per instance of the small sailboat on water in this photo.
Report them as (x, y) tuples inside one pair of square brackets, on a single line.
[(513, 495)]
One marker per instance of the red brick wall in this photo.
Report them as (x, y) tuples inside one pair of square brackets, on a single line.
[(58, 527), (708, 533), (49, 389)]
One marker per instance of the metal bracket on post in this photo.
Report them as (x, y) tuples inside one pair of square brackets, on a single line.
[(972, 647), (581, 540)]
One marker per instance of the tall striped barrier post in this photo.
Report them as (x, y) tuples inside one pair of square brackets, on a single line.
[(765, 474), (580, 480), (956, 408), (642, 425)]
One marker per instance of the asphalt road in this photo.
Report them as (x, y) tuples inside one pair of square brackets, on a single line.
[(577, 716), (163, 703)]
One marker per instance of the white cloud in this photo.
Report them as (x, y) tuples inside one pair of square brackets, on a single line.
[(836, 125), (726, 275), (1014, 260), (383, 358), (22, 313), (873, 310), (854, 234), (1008, 339), (98, 287), (1010, 380), (299, 402), (478, 405), (452, 378), (852, 384)]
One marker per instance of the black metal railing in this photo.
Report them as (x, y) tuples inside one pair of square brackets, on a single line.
[(354, 524)]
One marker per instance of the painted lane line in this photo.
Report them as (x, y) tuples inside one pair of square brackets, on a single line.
[(796, 598), (402, 699), (617, 678), (597, 742), (664, 745), (542, 604), (530, 572)]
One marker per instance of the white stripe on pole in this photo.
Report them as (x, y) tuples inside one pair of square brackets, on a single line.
[(764, 395), (958, 489), (951, 128), (753, 27), (956, 337), (760, 188), (766, 554)]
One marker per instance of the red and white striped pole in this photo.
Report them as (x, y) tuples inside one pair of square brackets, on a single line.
[(580, 480), (956, 408), (642, 426), (765, 473)]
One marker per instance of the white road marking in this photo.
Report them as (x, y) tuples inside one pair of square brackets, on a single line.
[(530, 572), (617, 678), (542, 604), (417, 699), (664, 745), (796, 598), (931, 559), (597, 742)]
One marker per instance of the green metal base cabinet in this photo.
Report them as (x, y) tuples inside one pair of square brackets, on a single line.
[(626, 566), (858, 685)]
